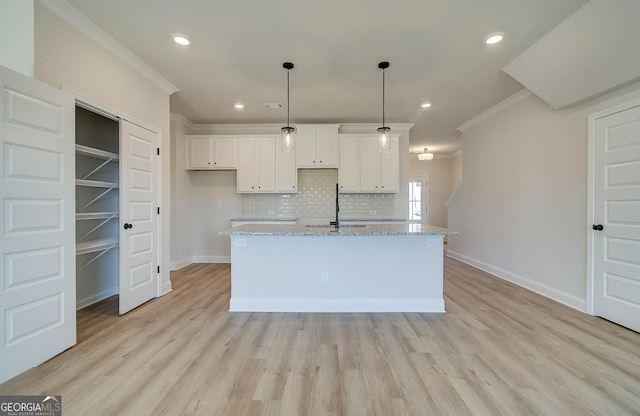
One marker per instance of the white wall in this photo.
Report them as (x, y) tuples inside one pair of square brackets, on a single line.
[(66, 57), (16, 35), (439, 171), (522, 208)]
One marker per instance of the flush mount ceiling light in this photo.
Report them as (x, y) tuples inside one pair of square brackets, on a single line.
[(425, 155), (384, 132), (288, 133), (239, 106), (494, 38), (181, 39)]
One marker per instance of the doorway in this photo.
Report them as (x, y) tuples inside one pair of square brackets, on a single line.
[(419, 199)]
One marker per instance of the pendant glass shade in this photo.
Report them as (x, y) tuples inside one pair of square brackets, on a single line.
[(288, 139), (384, 132), (384, 139)]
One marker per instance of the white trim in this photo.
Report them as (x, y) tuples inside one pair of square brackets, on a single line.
[(94, 32), (177, 265), (211, 259), (502, 105), (336, 305), (180, 119), (544, 290), (453, 194), (591, 172), (83, 303)]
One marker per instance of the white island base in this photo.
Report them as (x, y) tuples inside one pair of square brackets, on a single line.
[(337, 273)]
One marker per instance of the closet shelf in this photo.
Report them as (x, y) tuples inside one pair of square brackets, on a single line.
[(96, 245), (90, 151), (96, 184), (96, 215)]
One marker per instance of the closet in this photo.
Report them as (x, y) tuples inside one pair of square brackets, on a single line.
[(97, 206), (117, 169)]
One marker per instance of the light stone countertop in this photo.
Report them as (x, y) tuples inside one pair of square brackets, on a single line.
[(367, 230)]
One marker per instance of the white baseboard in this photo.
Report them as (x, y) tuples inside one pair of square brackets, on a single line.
[(166, 288), (336, 305), (177, 265), (541, 289), (83, 303), (211, 259)]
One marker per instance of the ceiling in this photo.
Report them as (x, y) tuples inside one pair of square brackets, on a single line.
[(435, 47)]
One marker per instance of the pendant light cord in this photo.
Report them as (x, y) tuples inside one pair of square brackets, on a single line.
[(383, 71), (287, 97)]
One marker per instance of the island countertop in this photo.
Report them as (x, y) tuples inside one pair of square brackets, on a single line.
[(346, 230)]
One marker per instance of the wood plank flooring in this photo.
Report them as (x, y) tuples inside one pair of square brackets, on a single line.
[(499, 350)]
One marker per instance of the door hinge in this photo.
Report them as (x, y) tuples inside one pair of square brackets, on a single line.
[(158, 269), (158, 210), (158, 151)]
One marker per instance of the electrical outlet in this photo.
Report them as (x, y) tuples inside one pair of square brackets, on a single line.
[(184, 249), (241, 242), (373, 212), (271, 212), (218, 204), (324, 277)]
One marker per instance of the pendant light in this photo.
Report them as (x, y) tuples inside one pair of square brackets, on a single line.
[(384, 132), (288, 141), (426, 155)]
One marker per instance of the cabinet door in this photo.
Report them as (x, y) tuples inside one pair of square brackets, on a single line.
[(287, 173), (201, 152), (225, 153), (349, 168), (306, 147), (369, 165), (265, 158), (327, 146), (389, 169), (246, 165)]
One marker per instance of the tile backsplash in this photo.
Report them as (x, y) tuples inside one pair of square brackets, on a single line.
[(316, 199)]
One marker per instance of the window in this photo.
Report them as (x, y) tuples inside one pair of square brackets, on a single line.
[(415, 200)]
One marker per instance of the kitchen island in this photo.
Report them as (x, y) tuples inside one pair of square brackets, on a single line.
[(370, 268)]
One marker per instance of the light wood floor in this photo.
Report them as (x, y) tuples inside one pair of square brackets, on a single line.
[(499, 350)]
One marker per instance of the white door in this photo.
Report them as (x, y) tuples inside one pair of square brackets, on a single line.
[(419, 199), (139, 165), (616, 263), (37, 249)]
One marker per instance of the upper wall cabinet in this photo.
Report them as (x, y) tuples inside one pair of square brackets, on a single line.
[(363, 169), (211, 152), (317, 146), (257, 165)]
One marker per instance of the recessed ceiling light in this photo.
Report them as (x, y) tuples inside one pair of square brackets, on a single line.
[(181, 39), (494, 38), (425, 105), (239, 106)]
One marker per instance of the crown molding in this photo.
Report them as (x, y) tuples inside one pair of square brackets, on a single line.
[(180, 119), (501, 106), (94, 32)]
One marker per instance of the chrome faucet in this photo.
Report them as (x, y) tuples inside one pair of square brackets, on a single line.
[(336, 223)]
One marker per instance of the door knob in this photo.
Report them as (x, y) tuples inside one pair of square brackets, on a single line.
[(127, 225), (597, 227)]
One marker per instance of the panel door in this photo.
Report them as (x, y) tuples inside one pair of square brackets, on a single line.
[(37, 249), (266, 164), (246, 166), (139, 170), (327, 146), (201, 151), (225, 153), (389, 169), (287, 173), (306, 147), (369, 165), (617, 208), (349, 169)]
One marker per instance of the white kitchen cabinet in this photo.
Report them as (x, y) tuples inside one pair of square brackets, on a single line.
[(317, 146), (349, 171), (209, 153), (363, 169), (287, 172), (256, 165)]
